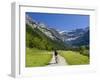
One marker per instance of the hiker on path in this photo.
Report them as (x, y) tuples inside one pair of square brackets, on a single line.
[(56, 56)]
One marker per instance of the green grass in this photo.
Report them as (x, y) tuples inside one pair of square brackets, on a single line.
[(36, 57), (74, 58)]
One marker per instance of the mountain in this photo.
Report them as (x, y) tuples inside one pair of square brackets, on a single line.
[(72, 35), (50, 32), (82, 40), (39, 36), (78, 37)]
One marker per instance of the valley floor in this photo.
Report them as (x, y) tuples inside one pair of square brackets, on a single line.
[(36, 58)]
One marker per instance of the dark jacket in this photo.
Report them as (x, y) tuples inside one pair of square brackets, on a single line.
[(55, 53)]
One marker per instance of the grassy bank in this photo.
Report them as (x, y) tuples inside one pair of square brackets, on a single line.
[(74, 58), (36, 57)]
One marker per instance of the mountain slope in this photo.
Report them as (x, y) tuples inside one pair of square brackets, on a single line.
[(49, 32), (82, 40), (36, 38), (72, 35)]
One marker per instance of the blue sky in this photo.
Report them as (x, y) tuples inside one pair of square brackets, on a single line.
[(61, 22)]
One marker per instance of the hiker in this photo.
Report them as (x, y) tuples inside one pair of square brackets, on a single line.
[(56, 56)]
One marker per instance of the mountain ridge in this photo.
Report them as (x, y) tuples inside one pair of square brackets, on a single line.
[(74, 37)]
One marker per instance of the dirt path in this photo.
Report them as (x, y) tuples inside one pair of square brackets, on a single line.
[(61, 61)]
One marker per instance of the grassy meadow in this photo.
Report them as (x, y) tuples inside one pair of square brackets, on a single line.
[(36, 57), (74, 58)]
